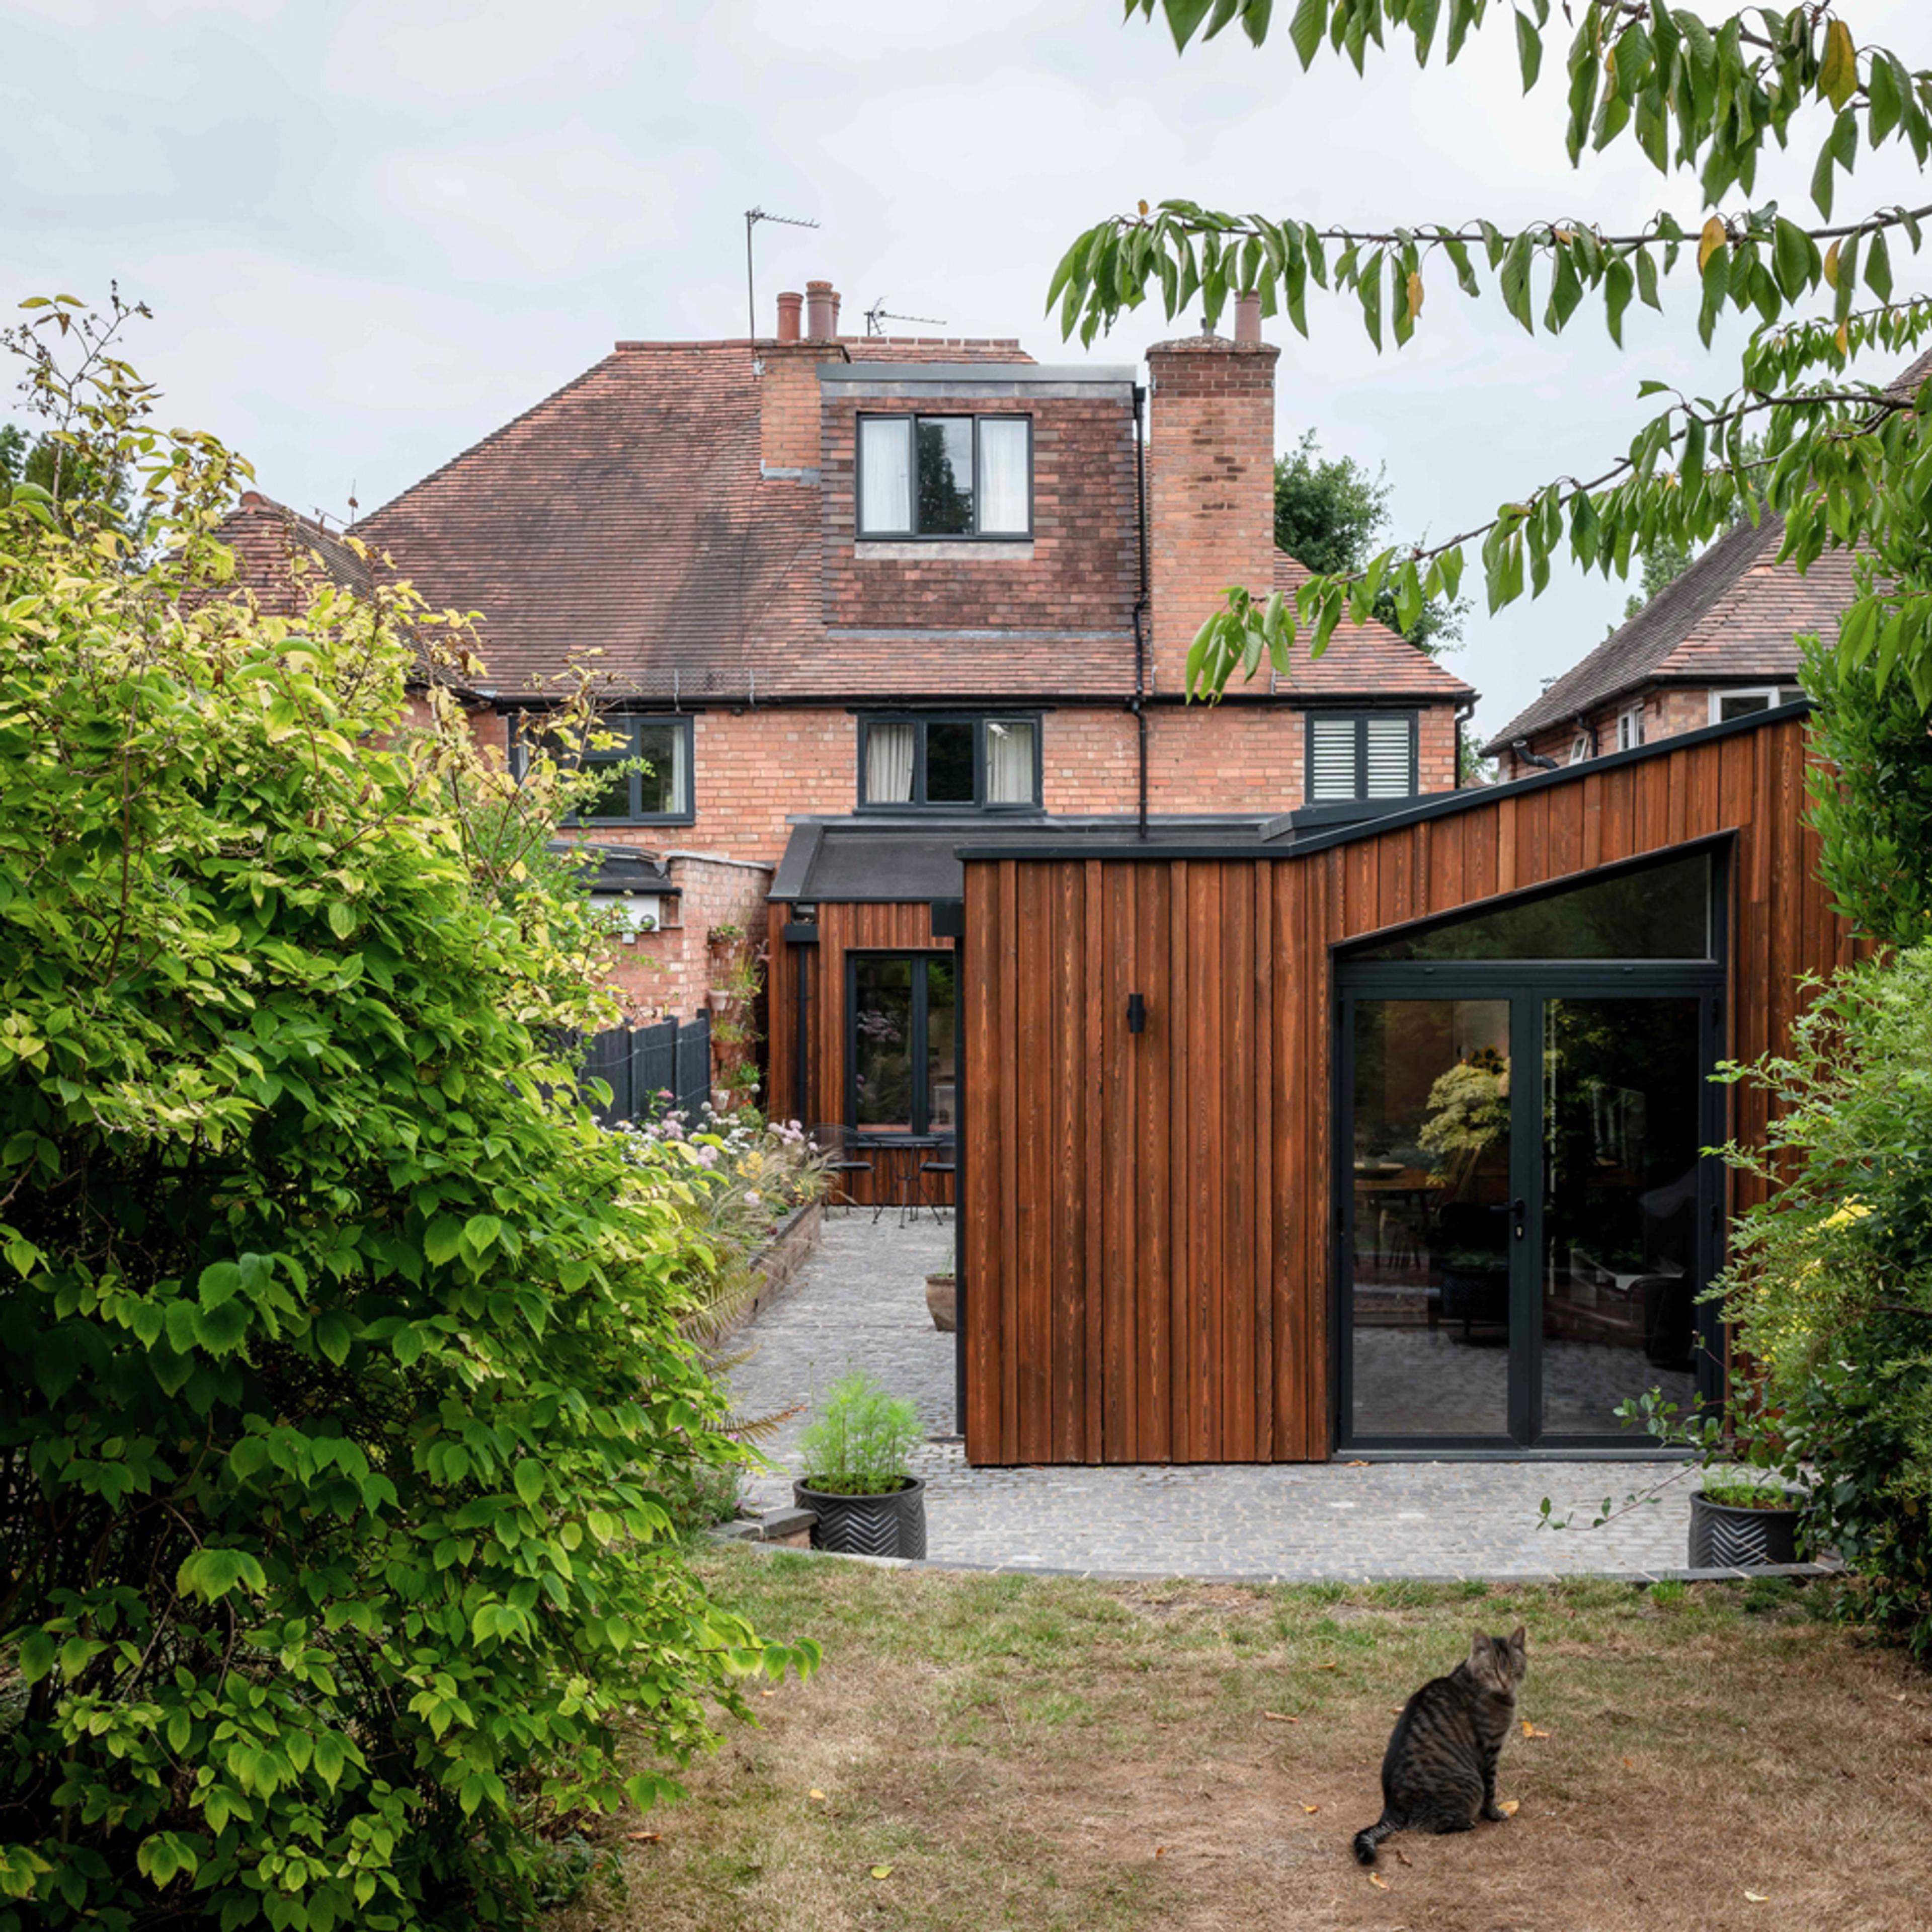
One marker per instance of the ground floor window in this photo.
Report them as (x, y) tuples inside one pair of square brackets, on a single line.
[(900, 1073)]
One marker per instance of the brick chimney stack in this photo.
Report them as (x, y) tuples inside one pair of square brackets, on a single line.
[(1210, 482), (788, 397)]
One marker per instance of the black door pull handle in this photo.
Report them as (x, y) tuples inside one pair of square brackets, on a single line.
[(1518, 1213)]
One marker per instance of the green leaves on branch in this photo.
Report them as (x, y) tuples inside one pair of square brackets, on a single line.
[(1722, 87), (1757, 262)]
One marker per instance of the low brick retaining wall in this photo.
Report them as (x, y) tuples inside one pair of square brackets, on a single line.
[(776, 1266)]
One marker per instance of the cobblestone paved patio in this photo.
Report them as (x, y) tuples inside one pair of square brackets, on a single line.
[(860, 1303)]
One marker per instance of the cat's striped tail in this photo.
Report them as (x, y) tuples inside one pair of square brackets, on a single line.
[(1371, 1836)]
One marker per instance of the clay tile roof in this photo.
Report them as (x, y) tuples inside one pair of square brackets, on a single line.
[(1365, 660), (1735, 614), (267, 538)]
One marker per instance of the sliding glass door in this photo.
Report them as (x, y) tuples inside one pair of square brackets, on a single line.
[(1526, 1216)]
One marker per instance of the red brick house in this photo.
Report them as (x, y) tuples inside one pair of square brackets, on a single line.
[(857, 598)]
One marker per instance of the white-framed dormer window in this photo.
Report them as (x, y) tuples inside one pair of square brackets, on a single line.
[(1630, 728), (1740, 701), (953, 477)]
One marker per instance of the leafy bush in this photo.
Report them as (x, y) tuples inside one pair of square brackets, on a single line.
[(337, 1362), (861, 1443), (1872, 797), (1830, 1287)]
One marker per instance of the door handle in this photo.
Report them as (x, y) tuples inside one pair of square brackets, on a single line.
[(1518, 1213)]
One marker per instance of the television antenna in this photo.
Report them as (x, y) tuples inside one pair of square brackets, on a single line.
[(879, 312), (753, 216)]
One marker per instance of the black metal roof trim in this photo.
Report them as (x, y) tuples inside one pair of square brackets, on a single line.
[(1438, 804)]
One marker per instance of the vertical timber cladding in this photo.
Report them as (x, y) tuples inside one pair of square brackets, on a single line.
[(843, 927), (1147, 1217)]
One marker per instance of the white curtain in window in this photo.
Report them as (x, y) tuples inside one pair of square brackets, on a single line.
[(680, 770), (885, 475), (889, 764), (1009, 761), (1005, 508), (1391, 744)]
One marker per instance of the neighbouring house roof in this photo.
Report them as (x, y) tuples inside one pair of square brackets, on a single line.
[(1364, 657), (268, 539), (1735, 615)]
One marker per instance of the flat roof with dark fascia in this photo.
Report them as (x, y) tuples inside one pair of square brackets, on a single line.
[(956, 375), (1439, 804)]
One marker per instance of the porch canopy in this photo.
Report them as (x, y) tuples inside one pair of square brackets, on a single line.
[(1155, 1223)]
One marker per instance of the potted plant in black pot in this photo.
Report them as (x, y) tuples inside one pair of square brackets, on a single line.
[(859, 1480), (1739, 1521)]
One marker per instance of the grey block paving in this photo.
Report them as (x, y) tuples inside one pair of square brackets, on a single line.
[(860, 1303)]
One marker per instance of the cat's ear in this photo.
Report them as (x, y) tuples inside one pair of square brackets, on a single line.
[(1520, 1640), (1479, 1650)]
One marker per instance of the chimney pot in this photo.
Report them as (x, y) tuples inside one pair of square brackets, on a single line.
[(834, 329), (821, 311), (1248, 316), (789, 305)]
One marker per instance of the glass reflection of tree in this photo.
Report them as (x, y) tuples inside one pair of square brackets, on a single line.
[(1468, 1114), (945, 501)]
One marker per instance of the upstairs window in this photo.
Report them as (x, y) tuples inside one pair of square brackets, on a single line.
[(945, 476), (658, 794), (962, 764), (1360, 755), (1629, 728), (1726, 705)]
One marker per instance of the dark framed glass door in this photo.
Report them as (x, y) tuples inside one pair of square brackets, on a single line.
[(1526, 1216)]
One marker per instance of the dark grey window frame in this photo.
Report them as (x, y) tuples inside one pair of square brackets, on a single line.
[(978, 720), (921, 1128), (631, 723), (1360, 721), (913, 419)]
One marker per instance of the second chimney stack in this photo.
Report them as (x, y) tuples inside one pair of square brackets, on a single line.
[(821, 311)]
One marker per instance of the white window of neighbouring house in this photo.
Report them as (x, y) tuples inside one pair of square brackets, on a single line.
[(1360, 755), (955, 764), (1741, 703), (1629, 728), (945, 476)]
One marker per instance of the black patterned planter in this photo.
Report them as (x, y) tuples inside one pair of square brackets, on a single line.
[(892, 1524), (1725, 1537)]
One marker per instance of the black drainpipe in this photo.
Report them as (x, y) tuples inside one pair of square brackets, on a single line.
[(802, 1021), (1139, 707)]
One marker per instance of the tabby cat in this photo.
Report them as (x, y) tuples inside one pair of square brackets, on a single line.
[(1439, 1774)]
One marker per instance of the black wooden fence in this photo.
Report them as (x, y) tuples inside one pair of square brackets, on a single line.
[(651, 1070)]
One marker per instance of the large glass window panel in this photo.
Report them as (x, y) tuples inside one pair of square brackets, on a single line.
[(949, 764), (945, 476), (1005, 508), (1430, 1276), (882, 1063), (613, 797), (1620, 1142), (890, 754), (1660, 912), (885, 476), (941, 1080), (1009, 761)]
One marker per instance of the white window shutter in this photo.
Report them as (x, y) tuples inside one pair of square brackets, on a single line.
[(1391, 758), (1331, 759)]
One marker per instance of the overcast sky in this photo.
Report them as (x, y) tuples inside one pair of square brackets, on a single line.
[(371, 232)]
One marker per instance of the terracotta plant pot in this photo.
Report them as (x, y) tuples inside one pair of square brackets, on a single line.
[(942, 1301), (892, 1524)]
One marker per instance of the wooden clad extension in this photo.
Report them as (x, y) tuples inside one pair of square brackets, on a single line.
[(1147, 1218)]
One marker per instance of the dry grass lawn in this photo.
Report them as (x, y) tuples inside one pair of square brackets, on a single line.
[(1034, 1753)]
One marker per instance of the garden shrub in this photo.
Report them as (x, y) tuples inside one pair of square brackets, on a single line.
[(338, 1358), (1830, 1285)]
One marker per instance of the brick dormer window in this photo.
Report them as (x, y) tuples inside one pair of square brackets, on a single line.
[(952, 477), (948, 763)]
